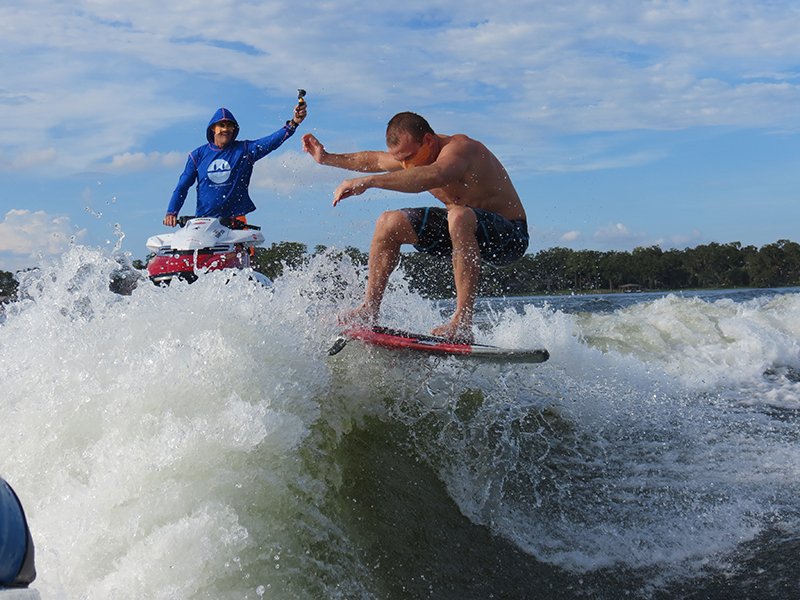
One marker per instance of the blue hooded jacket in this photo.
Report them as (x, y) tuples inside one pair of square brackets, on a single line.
[(223, 174)]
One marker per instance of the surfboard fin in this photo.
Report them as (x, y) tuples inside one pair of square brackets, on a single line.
[(340, 343)]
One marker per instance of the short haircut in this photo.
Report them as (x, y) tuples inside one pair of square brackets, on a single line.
[(407, 122)]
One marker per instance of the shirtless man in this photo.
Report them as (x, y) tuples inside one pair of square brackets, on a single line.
[(483, 216)]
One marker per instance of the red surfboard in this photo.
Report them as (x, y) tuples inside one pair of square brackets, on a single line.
[(397, 339)]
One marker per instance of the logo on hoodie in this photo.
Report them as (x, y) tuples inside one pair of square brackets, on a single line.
[(219, 171)]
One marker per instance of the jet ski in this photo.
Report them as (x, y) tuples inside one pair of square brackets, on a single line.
[(203, 244)]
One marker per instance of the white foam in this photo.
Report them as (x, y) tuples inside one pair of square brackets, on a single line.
[(630, 447), (175, 442), (140, 430)]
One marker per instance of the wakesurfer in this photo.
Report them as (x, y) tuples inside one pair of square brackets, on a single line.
[(482, 219)]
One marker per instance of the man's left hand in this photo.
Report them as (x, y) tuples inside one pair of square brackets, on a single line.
[(300, 112)]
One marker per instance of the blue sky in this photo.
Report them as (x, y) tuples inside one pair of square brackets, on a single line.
[(622, 123)]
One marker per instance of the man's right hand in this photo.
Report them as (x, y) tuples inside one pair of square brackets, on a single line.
[(314, 147), (349, 187), (170, 220)]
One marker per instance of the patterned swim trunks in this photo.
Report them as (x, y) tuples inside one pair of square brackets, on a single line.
[(501, 242)]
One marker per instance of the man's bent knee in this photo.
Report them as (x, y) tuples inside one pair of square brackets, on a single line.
[(462, 222), (461, 217), (395, 224)]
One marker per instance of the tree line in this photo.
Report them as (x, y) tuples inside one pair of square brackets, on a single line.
[(558, 270)]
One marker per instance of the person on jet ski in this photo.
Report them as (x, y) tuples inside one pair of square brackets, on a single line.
[(222, 168)]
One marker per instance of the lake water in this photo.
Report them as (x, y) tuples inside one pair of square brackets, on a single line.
[(198, 442)]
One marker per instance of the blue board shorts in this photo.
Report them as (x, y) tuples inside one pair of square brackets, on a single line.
[(501, 242)]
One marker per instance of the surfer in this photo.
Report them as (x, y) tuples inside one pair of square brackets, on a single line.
[(483, 216), (222, 168)]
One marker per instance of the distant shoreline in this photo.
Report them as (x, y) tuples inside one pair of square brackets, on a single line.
[(561, 271)]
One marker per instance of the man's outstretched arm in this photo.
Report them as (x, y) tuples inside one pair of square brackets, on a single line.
[(450, 166), (369, 161)]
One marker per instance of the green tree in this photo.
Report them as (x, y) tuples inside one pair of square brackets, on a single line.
[(271, 261), (583, 269), (8, 285), (358, 257), (674, 275), (791, 264), (714, 265), (551, 269), (647, 266), (616, 269), (775, 264), (430, 276)]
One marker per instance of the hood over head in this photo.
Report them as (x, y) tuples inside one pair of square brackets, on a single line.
[(222, 114)]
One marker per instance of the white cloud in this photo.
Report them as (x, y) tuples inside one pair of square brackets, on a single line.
[(681, 240), (34, 158), (26, 233), (102, 69), (140, 161), (618, 235), (570, 236)]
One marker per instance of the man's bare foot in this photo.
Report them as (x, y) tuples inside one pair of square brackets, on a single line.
[(453, 331), (363, 316)]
